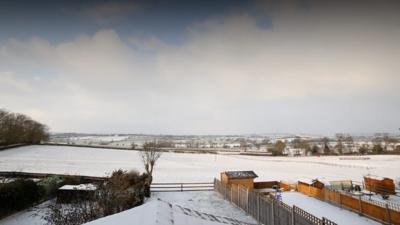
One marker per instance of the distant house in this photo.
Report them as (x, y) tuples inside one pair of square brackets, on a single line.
[(232, 145), (294, 151), (180, 145), (244, 178), (313, 183)]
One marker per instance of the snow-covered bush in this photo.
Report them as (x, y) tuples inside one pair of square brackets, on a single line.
[(123, 190)]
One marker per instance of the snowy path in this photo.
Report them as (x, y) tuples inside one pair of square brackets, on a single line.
[(31, 216)]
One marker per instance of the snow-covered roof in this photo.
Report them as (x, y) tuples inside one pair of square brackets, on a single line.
[(158, 212), (240, 174), (81, 187), (311, 181)]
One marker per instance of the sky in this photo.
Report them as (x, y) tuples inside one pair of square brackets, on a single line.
[(203, 67)]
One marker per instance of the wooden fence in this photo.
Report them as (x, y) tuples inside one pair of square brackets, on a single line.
[(382, 212), (265, 209), (174, 187)]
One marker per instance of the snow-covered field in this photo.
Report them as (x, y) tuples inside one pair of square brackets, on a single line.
[(182, 167)]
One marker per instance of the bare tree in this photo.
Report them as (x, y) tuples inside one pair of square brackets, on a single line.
[(278, 148), (325, 144), (302, 144), (150, 155), (339, 145)]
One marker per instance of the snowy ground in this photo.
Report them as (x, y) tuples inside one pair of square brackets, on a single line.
[(182, 167), (205, 201), (201, 201), (31, 216), (322, 209), (178, 167)]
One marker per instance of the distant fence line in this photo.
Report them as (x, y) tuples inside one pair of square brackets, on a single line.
[(266, 210), (174, 150), (383, 212), (4, 147), (13, 174)]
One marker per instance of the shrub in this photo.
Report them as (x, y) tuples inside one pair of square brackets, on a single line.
[(123, 190), (50, 185), (18, 195)]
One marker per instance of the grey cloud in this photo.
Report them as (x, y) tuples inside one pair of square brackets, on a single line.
[(231, 75)]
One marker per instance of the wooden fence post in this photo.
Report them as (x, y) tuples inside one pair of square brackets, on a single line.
[(215, 181), (360, 205), (258, 208), (247, 200), (238, 196), (388, 214), (181, 187), (272, 213), (293, 219), (340, 199), (231, 194)]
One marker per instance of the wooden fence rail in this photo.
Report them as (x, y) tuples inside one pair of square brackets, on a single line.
[(267, 210), (175, 187)]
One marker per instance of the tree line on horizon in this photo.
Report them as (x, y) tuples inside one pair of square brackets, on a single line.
[(17, 128), (344, 145)]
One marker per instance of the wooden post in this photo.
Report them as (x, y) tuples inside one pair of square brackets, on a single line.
[(360, 205), (231, 194), (247, 200), (238, 196), (215, 180), (340, 199), (258, 208), (181, 187), (293, 219), (272, 213), (388, 214)]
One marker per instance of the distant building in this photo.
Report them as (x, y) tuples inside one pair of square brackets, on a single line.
[(180, 145), (232, 145), (290, 151), (244, 178), (69, 193)]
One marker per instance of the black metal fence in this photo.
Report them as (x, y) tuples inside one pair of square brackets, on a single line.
[(265, 209)]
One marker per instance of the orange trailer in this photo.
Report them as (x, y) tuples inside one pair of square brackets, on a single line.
[(379, 185)]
